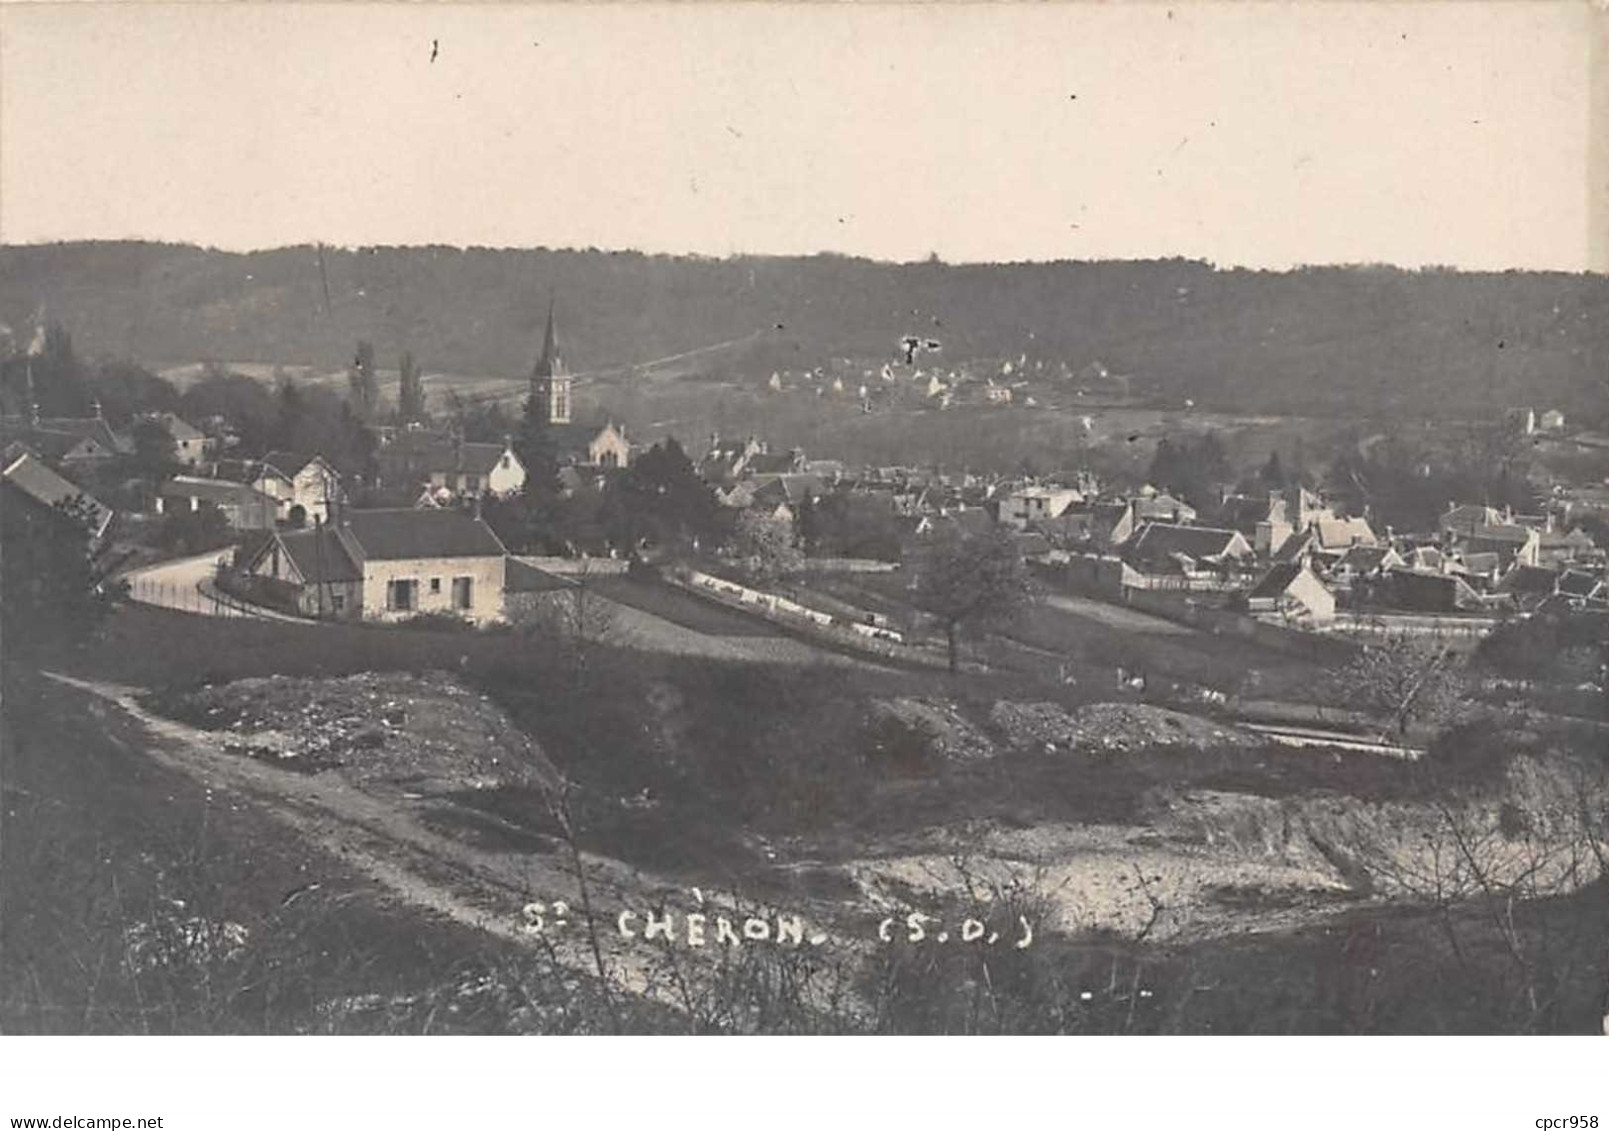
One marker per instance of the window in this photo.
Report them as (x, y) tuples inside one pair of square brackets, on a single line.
[(435, 585), (337, 602), (401, 596), (463, 592), (507, 462)]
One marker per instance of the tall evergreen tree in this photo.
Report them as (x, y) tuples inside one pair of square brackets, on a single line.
[(363, 383), (410, 390)]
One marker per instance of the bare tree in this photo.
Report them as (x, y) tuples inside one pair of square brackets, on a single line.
[(971, 579), (579, 619), (1405, 680)]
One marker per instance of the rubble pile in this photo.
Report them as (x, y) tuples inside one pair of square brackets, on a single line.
[(1107, 726), (424, 731), (950, 735)]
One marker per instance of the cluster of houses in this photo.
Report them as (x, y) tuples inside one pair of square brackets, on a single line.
[(916, 380), (1286, 553), (1289, 554)]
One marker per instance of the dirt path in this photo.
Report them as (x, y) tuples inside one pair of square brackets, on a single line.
[(390, 840), (185, 585)]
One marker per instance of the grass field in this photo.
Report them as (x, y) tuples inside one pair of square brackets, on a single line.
[(1092, 638), (679, 608)]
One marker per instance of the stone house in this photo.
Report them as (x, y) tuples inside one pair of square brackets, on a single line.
[(391, 564), (445, 468), (1292, 591), (1036, 504), (243, 507), (295, 481), (191, 446)]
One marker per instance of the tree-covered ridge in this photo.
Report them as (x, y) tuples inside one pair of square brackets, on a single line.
[(1349, 340)]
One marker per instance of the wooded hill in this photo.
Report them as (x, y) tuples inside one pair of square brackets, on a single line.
[(1361, 341)]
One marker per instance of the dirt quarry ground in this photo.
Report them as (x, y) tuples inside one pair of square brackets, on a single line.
[(1106, 821), (1187, 864), (424, 733)]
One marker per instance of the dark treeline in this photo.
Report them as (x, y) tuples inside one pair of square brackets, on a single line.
[(1370, 340)]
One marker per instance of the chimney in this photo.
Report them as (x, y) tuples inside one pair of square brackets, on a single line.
[(33, 414)]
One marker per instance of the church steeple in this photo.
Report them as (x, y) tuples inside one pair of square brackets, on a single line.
[(550, 380), (550, 364)]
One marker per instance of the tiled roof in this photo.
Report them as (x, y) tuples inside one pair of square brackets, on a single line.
[(1337, 533), (220, 491), (40, 483), (1157, 539), (286, 463), (1574, 583), (1276, 580), (406, 533), (319, 555)]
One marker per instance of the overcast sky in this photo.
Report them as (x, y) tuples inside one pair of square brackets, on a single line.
[(1262, 135)]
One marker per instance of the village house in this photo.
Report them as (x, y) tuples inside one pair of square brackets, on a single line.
[(1364, 561), (1582, 589), (1470, 528), (1028, 505), (28, 474), (1194, 556), (191, 446), (727, 460), (1293, 592), (1528, 586), (780, 496), (1336, 534), (306, 571), (1416, 592), (303, 488), (68, 441), (243, 507), (391, 564), (447, 468)]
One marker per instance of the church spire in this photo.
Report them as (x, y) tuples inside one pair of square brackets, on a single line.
[(550, 380), (550, 364)]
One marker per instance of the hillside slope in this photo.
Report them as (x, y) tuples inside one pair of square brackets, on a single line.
[(1318, 340)]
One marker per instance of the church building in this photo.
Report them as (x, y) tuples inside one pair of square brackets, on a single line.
[(579, 445)]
